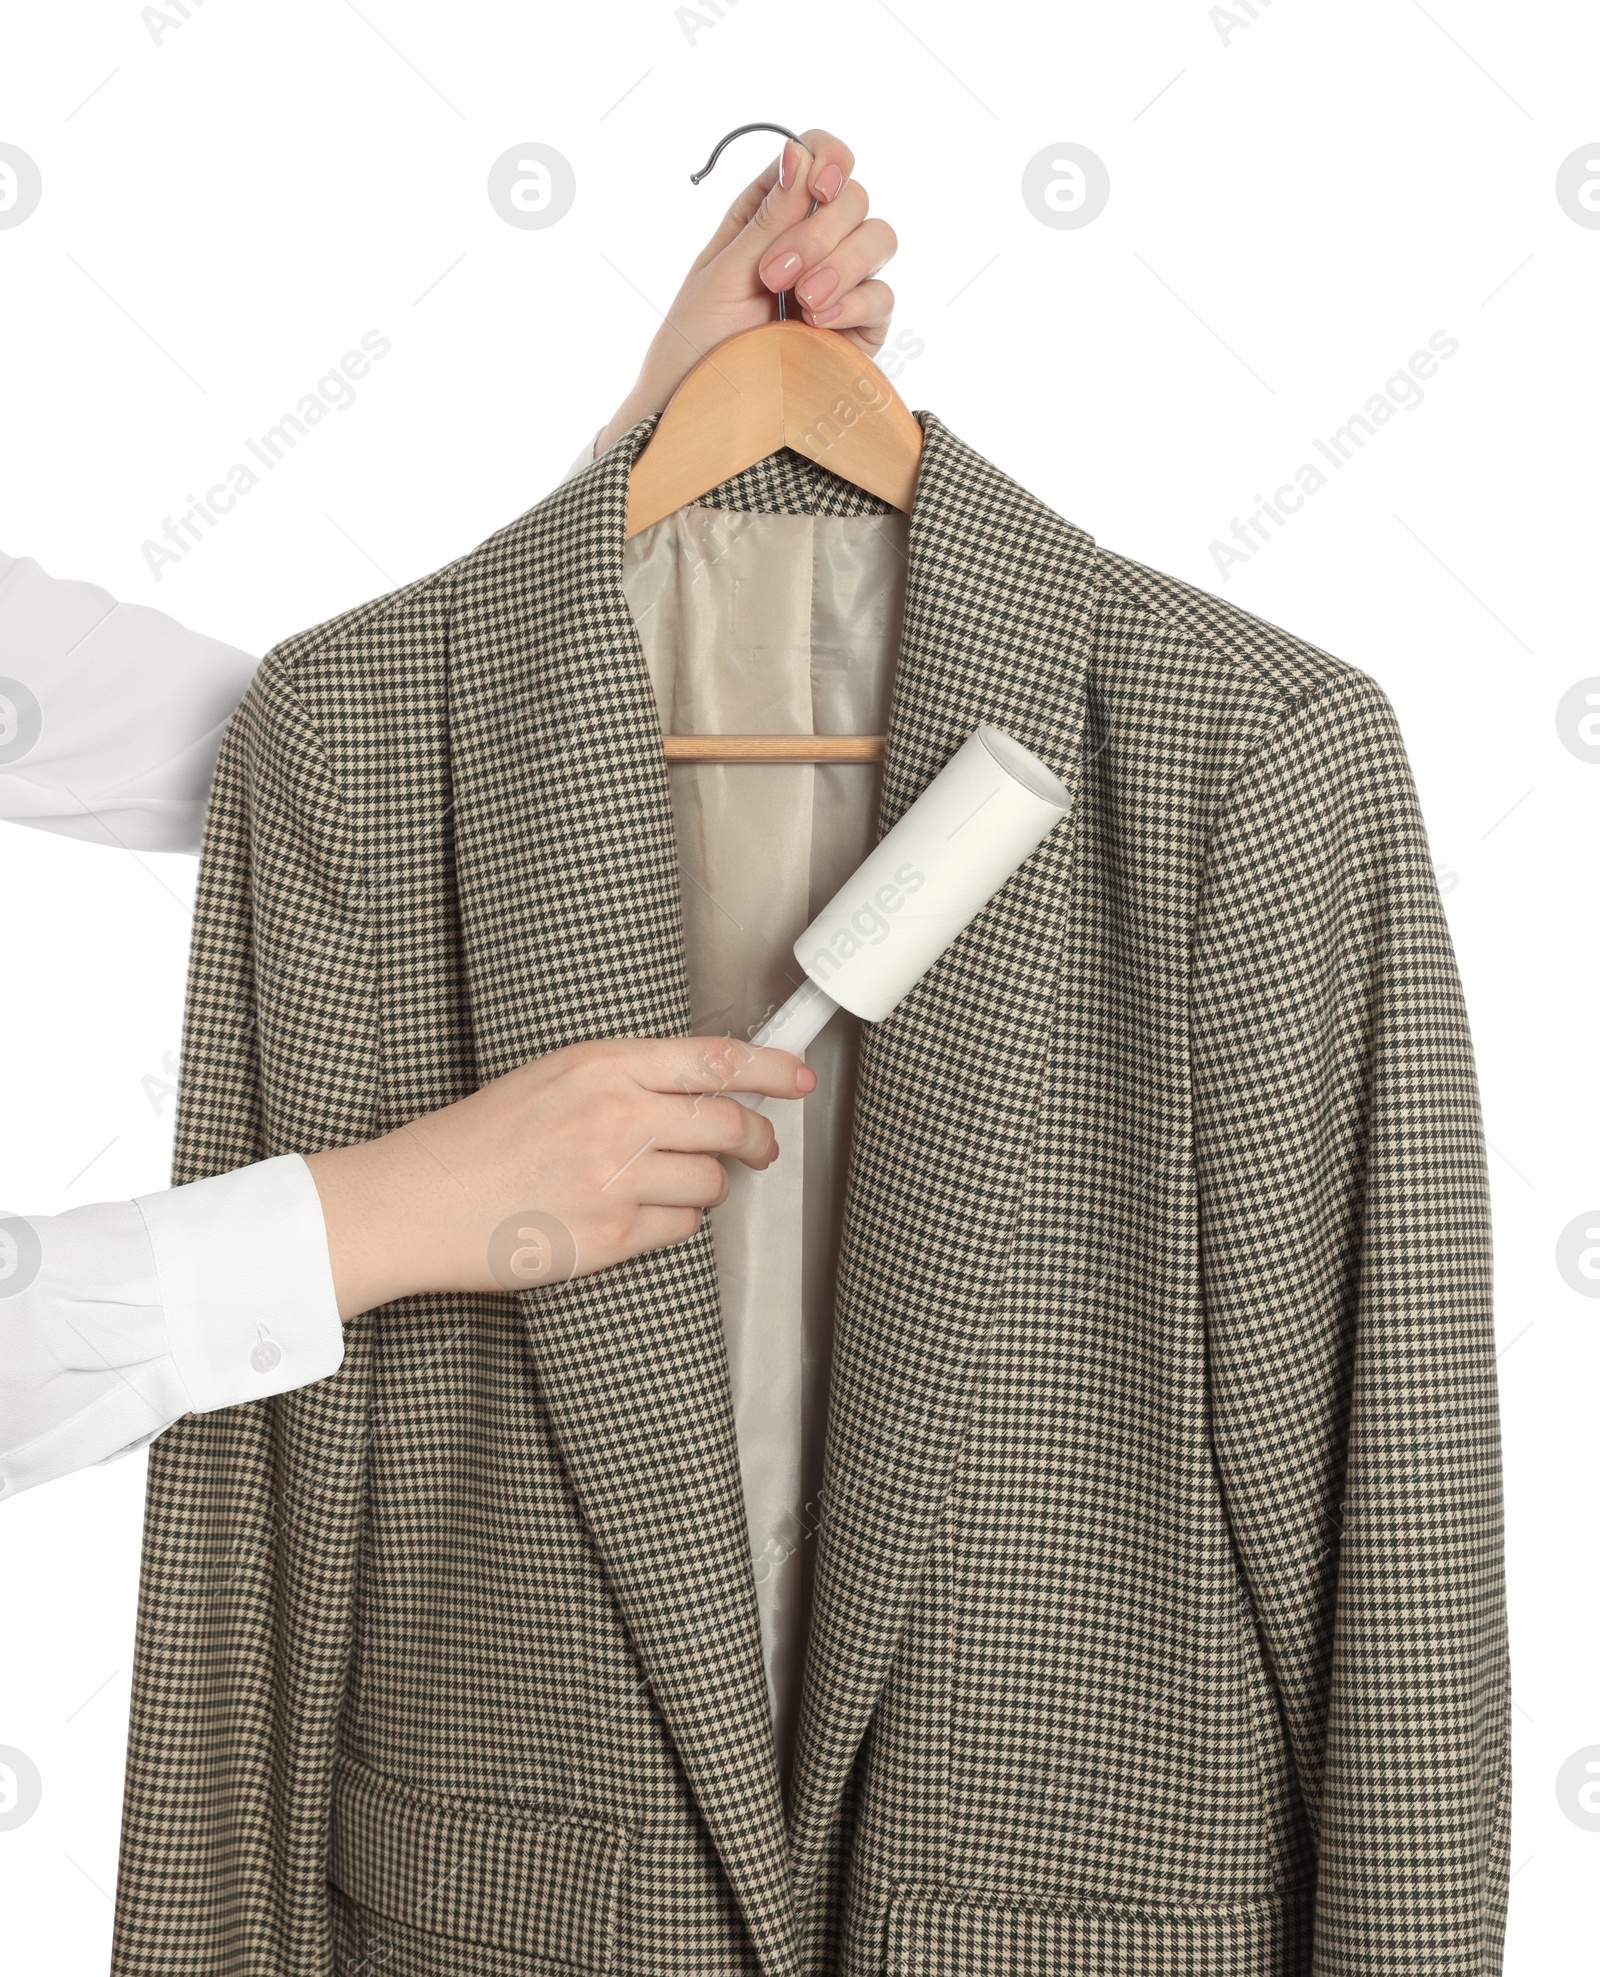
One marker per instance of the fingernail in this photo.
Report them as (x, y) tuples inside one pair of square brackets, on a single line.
[(785, 165), (816, 289), (774, 1153), (829, 180), (806, 1078), (818, 317), (780, 272)]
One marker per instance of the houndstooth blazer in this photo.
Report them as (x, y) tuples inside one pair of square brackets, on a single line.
[(1158, 1622)]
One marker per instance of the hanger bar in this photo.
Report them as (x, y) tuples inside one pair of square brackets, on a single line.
[(774, 748)]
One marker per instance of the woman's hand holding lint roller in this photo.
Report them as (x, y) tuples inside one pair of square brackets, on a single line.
[(615, 1147)]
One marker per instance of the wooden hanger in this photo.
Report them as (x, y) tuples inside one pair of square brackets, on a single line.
[(781, 384)]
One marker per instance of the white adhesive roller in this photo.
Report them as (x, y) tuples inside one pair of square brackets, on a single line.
[(991, 804)]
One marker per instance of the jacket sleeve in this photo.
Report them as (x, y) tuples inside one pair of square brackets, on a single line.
[(1345, 1256), (253, 1512)]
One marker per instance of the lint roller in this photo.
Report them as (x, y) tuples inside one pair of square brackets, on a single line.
[(926, 880)]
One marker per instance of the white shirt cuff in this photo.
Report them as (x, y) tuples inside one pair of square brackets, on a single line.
[(246, 1282), (131, 1314)]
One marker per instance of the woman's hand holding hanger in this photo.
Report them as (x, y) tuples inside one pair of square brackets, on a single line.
[(765, 246)]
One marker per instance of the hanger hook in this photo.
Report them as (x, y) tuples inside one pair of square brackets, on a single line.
[(722, 145)]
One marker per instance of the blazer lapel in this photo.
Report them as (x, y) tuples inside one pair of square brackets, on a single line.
[(998, 627), (571, 928)]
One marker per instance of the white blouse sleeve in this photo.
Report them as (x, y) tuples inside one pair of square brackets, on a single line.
[(118, 1318), (111, 715)]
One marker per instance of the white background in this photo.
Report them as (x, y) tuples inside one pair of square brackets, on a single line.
[(1298, 202)]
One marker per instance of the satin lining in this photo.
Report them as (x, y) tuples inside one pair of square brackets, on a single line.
[(769, 624)]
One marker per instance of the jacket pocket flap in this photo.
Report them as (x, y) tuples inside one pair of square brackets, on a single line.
[(543, 1885), (936, 1932)]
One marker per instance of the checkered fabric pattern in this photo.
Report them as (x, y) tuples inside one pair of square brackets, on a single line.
[(1157, 1622)]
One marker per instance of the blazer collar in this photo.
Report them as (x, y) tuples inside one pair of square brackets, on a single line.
[(572, 928), (1000, 623)]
